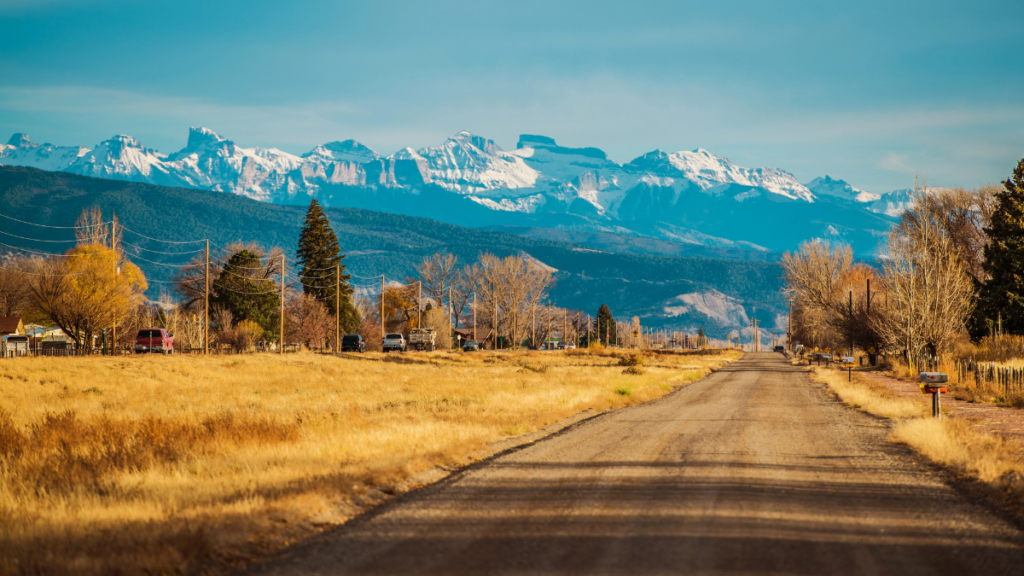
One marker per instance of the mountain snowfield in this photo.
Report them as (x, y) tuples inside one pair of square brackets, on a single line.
[(691, 197)]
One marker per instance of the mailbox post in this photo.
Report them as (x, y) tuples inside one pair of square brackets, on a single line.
[(848, 362), (934, 383)]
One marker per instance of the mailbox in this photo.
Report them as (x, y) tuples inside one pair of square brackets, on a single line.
[(934, 383), (847, 360)]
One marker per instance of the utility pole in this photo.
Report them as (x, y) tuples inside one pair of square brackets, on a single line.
[(206, 302), (382, 308), (113, 319), (789, 329), (533, 335), (564, 324), (337, 308), (474, 317), (450, 314), (419, 307), (282, 304), (548, 337), (851, 323)]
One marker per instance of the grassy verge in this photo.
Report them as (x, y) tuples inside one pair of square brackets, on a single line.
[(179, 464), (949, 442)]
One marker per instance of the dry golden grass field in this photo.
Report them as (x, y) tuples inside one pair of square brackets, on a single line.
[(194, 464)]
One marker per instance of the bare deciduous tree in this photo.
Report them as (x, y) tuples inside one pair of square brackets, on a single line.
[(308, 321), (15, 280), (927, 281), (509, 290)]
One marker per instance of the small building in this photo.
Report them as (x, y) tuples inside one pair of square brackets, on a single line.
[(13, 339), (11, 325), (483, 335)]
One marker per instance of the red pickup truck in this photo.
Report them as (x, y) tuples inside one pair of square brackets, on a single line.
[(154, 340)]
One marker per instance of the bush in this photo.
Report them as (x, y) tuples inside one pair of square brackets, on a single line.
[(540, 368), (636, 370), (635, 359)]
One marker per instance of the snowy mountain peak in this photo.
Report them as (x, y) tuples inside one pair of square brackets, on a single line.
[(465, 138), (199, 137), (347, 151), (121, 142), (21, 141), (712, 173), (828, 186), (534, 142)]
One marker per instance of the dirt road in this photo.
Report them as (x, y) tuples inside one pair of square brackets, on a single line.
[(751, 470)]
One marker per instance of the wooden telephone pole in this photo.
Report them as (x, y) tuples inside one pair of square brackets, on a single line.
[(337, 308), (206, 304), (548, 337), (382, 307), (533, 334), (282, 304), (474, 318), (113, 318)]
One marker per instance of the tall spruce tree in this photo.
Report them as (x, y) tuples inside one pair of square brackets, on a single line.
[(318, 257), (604, 326), (1003, 293)]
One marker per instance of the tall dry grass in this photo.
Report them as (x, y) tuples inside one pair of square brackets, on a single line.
[(949, 442), (173, 464), (870, 396)]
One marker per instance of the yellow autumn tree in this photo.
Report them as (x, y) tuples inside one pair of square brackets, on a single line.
[(88, 289)]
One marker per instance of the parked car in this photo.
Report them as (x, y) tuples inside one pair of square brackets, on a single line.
[(353, 343), (781, 349), (154, 340), (394, 341), (470, 346), (570, 346)]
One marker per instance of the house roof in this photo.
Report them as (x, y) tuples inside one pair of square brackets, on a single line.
[(482, 333), (11, 325)]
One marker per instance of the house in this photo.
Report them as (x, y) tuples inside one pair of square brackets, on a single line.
[(482, 335), (11, 325), (13, 340)]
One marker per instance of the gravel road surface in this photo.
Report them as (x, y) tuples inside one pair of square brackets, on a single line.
[(753, 470)]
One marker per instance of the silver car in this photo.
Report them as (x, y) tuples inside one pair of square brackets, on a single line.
[(394, 341)]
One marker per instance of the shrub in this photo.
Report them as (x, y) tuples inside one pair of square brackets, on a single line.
[(624, 391), (635, 359), (540, 369), (635, 370)]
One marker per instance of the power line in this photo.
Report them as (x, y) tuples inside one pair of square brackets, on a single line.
[(168, 265), (52, 254), (54, 227), (35, 239), (126, 229), (164, 253), (45, 275)]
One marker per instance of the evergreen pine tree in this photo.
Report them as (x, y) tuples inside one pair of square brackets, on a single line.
[(604, 326), (700, 336), (1004, 259), (318, 256)]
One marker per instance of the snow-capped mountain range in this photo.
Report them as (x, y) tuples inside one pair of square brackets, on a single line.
[(686, 196)]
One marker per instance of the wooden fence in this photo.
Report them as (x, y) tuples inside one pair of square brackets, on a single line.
[(991, 376)]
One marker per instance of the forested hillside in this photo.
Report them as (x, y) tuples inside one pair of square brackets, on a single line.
[(379, 243)]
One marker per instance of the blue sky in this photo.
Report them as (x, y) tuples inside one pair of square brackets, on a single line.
[(866, 91)]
